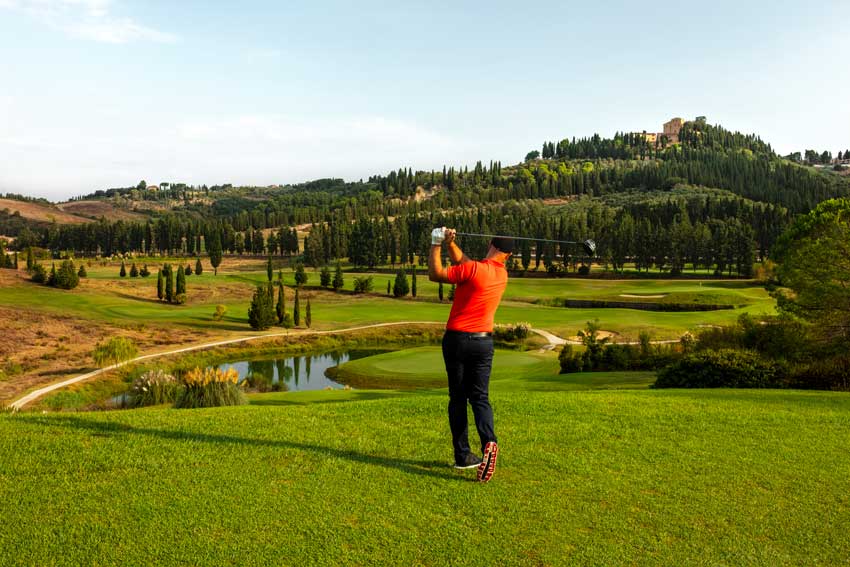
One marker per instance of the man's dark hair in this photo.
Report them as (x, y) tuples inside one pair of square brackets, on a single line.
[(505, 245)]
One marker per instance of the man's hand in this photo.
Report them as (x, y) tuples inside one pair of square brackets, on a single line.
[(450, 234), (438, 235)]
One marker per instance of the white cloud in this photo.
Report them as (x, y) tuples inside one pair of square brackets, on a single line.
[(88, 19)]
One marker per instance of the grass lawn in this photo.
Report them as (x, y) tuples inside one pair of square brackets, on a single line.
[(590, 477)]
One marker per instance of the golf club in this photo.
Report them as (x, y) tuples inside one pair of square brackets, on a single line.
[(588, 245)]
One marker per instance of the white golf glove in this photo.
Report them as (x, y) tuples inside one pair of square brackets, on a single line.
[(438, 235)]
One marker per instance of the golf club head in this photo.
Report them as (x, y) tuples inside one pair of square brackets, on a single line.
[(589, 247)]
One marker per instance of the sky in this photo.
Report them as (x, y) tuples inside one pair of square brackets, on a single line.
[(104, 93)]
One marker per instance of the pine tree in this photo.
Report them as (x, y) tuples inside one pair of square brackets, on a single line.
[(281, 303), (82, 271), (261, 313), (308, 320), (296, 311), (160, 285), (413, 282), (401, 287), (123, 272), (181, 281), (215, 251), (66, 276), (30, 259), (338, 281), (199, 267), (325, 276), (134, 271), (440, 292), (269, 270), (389, 288)]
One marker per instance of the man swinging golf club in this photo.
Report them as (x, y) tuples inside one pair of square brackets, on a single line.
[(468, 341)]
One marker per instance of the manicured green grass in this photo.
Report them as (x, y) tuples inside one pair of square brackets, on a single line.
[(586, 477)]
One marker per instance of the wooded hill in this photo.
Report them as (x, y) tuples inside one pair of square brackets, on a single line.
[(716, 199)]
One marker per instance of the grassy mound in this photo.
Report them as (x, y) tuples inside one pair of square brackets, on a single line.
[(585, 477)]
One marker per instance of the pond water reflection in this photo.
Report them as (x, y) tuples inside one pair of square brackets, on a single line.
[(294, 373)]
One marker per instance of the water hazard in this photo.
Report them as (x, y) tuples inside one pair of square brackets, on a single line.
[(294, 373)]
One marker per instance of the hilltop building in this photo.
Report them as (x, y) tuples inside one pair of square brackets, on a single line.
[(671, 132)]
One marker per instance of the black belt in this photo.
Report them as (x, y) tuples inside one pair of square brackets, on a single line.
[(475, 335)]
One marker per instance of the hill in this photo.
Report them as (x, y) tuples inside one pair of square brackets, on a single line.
[(40, 212)]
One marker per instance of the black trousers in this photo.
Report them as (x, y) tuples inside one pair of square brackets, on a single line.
[(468, 361)]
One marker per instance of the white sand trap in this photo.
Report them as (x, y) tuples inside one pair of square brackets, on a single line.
[(643, 296)]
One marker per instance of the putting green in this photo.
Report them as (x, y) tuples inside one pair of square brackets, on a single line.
[(512, 370)]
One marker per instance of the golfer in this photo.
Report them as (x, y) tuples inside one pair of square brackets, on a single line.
[(468, 341)]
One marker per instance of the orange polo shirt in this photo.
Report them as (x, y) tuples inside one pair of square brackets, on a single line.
[(480, 286)]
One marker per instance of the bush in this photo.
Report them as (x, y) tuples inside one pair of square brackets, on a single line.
[(569, 361), (180, 298), (830, 373), (363, 284), (66, 275), (220, 310), (82, 273), (325, 277), (401, 287), (211, 387), (725, 368), (511, 333), (259, 382), (39, 274), (153, 388)]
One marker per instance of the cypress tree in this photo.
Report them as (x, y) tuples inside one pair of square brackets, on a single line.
[(338, 281), (413, 282), (440, 292), (30, 258), (199, 268), (16, 261), (269, 270), (181, 281), (188, 269), (401, 287), (261, 313), (160, 285), (389, 288), (123, 272), (281, 303), (51, 280), (215, 251), (169, 283), (309, 318), (296, 311)]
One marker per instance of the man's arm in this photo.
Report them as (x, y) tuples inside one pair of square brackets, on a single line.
[(436, 271), (456, 255)]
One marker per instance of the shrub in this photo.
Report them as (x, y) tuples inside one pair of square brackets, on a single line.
[(66, 275), (134, 271), (830, 373), (116, 349), (144, 272), (363, 284), (153, 388), (39, 274), (211, 387), (325, 277), (569, 361), (725, 368), (180, 298), (82, 273), (401, 287), (510, 333), (300, 275), (220, 310), (259, 382)]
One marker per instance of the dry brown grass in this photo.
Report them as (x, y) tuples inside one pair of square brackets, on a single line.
[(41, 212), (97, 209), (44, 348)]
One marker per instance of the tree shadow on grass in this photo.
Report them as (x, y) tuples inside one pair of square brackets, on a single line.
[(106, 429)]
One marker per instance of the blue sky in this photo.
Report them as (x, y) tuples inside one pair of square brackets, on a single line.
[(103, 93)]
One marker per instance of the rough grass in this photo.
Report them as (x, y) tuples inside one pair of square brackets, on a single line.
[(352, 478)]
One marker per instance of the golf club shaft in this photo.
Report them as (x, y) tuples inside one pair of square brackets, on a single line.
[(518, 238)]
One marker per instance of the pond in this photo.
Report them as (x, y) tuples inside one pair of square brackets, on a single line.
[(294, 373)]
